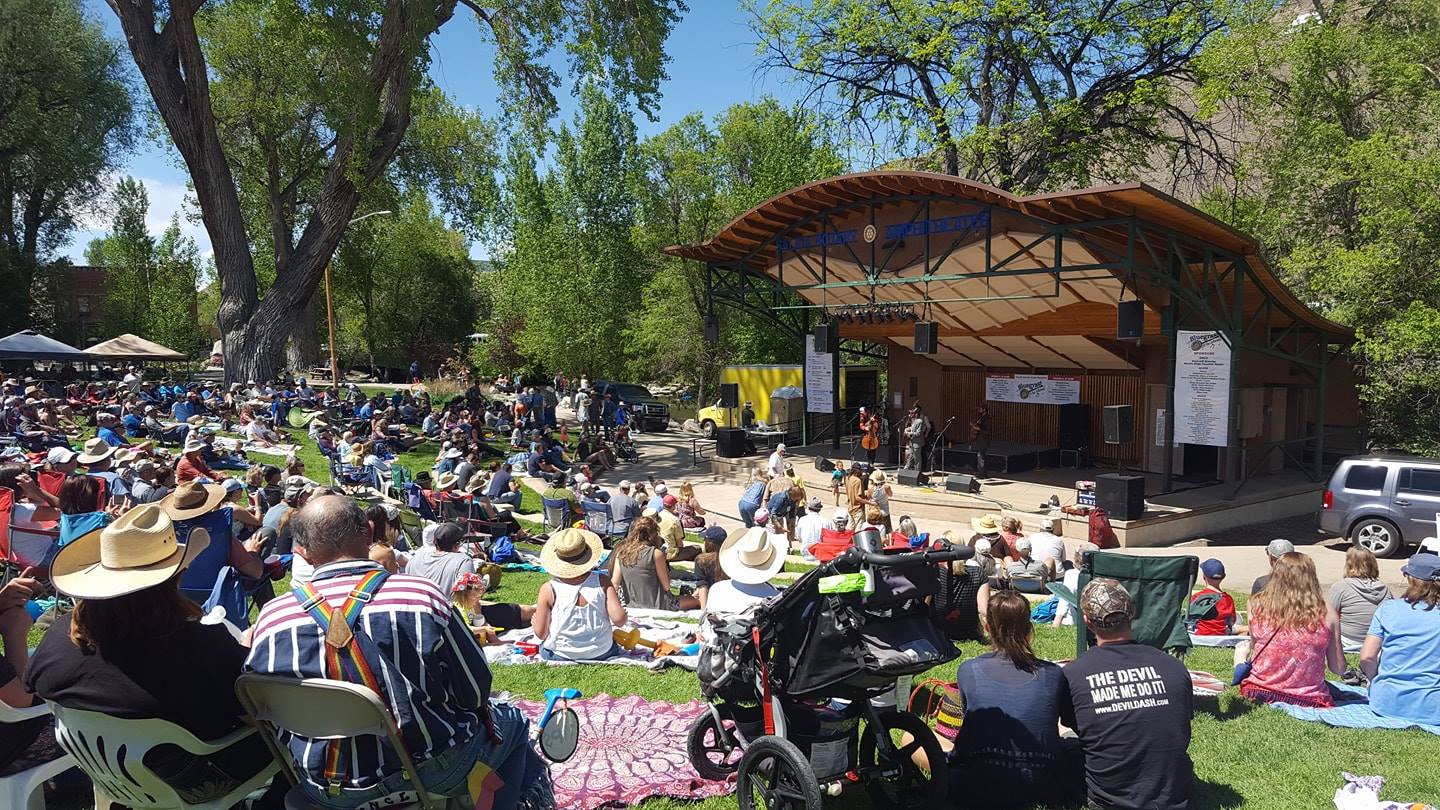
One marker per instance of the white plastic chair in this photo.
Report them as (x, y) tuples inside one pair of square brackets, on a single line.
[(111, 751), (23, 790), (322, 709)]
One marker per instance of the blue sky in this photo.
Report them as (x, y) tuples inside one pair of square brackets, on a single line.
[(712, 66)]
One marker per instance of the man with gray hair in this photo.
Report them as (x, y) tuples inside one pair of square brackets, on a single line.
[(1277, 548), (399, 636)]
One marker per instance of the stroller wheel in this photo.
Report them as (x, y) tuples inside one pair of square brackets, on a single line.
[(913, 786), (714, 749), (774, 775)]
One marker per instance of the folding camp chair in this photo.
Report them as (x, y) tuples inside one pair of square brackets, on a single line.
[(400, 479), (598, 518), (1159, 587), (413, 527), (555, 513)]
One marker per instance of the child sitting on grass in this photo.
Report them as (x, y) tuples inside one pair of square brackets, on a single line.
[(487, 620), (1212, 610), (578, 610)]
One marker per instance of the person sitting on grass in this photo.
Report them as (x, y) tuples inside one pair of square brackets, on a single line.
[(1293, 637), (384, 532), (1401, 655), (641, 570), (1009, 752), (1357, 596), (1136, 751), (443, 566), (1026, 574), (688, 507), (578, 608), (749, 562), (676, 549), (707, 565), (1212, 610)]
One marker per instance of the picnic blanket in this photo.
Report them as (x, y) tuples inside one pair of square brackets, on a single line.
[(282, 450), (1215, 641), (676, 632), (1351, 714), (631, 749), (1363, 793)]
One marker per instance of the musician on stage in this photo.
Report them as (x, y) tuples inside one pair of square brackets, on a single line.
[(869, 434), (914, 439), (980, 438)]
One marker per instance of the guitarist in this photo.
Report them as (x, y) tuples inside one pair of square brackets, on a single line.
[(869, 434)]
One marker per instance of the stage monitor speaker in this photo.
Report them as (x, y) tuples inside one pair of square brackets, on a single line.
[(960, 482), (1119, 423), (1130, 320), (712, 329), (827, 336), (911, 478), (729, 395), (1121, 496), (730, 443), (927, 337), (1074, 426), (824, 465)]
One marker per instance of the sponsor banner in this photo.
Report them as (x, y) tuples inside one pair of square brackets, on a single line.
[(1033, 389)]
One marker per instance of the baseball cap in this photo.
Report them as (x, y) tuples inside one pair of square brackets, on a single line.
[(449, 534), (625, 484), (1424, 566), (661, 489), (841, 516), (232, 485), (669, 500), (714, 534), (1213, 568), (60, 455), (1279, 547), (816, 505), (1106, 603)]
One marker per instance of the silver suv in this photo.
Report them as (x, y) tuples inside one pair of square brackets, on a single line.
[(1383, 502)]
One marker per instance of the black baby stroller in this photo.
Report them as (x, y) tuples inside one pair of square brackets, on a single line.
[(793, 685)]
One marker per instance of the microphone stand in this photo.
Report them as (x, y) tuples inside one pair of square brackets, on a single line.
[(935, 445)]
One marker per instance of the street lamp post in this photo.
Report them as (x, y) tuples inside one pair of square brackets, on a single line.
[(330, 308)]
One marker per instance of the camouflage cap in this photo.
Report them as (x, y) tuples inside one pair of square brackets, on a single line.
[(1106, 603)]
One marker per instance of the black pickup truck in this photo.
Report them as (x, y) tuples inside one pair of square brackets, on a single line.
[(652, 413)]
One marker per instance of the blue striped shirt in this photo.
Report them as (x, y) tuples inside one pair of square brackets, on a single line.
[(433, 673)]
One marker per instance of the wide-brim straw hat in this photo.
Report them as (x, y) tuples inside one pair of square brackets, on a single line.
[(571, 553), (193, 500), (96, 450), (137, 551), (752, 558), (446, 482), (986, 524)]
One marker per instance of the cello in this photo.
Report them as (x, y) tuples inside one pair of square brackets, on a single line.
[(870, 430)]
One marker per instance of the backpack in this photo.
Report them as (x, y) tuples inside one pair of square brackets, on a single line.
[(1202, 606), (502, 550)]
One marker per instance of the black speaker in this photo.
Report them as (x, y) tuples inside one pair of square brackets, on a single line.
[(1121, 496), (911, 478), (712, 329), (730, 443), (1119, 423), (729, 395), (827, 337), (1074, 426), (823, 464), (960, 482), (1130, 320), (927, 337)]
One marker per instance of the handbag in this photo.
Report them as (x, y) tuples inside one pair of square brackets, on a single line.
[(1242, 669)]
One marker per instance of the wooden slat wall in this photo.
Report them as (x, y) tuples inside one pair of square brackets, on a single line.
[(964, 391)]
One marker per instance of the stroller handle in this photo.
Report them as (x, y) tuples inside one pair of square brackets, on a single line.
[(852, 558)]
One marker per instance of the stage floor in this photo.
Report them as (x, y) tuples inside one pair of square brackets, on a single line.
[(1187, 512)]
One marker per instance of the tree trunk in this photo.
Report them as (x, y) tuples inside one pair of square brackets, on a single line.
[(254, 350), (304, 348)]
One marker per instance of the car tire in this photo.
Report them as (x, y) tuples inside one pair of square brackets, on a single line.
[(1378, 536), (707, 428)]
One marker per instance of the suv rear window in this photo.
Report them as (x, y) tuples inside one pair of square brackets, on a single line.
[(1367, 477), (629, 392), (1414, 479)]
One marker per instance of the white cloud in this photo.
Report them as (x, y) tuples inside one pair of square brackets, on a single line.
[(167, 198)]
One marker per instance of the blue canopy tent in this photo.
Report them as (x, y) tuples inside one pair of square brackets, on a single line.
[(31, 345)]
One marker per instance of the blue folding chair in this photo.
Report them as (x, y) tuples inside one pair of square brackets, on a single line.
[(598, 518), (556, 513)]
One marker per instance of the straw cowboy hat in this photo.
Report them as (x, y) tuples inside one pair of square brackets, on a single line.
[(96, 450), (192, 500), (138, 551), (571, 553), (988, 524), (878, 477), (193, 444), (752, 558), (446, 482)]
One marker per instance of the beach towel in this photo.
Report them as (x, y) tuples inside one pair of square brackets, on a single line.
[(679, 633), (1351, 714), (1216, 641), (631, 749), (1363, 793)]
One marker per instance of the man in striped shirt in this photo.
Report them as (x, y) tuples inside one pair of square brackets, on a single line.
[(428, 667)]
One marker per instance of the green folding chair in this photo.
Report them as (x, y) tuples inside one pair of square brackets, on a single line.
[(1159, 586), (400, 480)]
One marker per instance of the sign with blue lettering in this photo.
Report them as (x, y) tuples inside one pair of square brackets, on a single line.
[(959, 224)]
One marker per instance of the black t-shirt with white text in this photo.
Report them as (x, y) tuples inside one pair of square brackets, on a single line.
[(1133, 706)]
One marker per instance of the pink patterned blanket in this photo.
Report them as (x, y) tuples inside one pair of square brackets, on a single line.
[(630, 749)]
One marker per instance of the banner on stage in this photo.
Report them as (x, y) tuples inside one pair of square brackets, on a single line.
[(819, 379), (1033, 389), (1202, 389)]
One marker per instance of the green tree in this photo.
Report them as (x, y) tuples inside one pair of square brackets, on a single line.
[(128, 254), (65, 121), (355, 71), (1023, 96), (170, 317), (1340, 181)]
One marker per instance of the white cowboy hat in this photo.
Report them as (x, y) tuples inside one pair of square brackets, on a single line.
[(192, 445), (752, 558), (192, 500), (138, 551), (96, 450), (571, 553), (453, 452), (988, 524)]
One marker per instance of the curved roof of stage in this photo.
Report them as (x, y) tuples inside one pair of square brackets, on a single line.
[(744, 239)]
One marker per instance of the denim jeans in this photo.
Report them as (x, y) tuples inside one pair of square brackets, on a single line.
[(514, 760), (747, 513)]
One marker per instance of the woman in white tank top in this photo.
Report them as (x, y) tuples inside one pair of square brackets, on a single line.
[(578, 609)]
